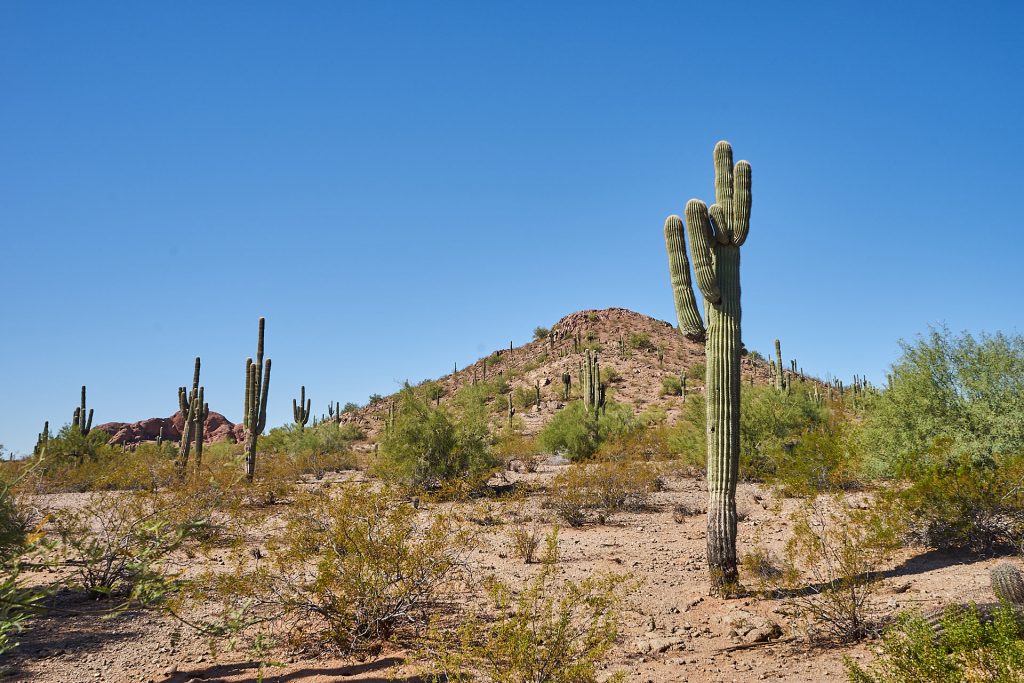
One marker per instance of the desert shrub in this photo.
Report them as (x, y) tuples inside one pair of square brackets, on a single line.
[(697, 371), (314, 450), (69, 444), (525, 542), (432, 391), (119, 542), (551, 631), (610, 375), (641, 341), (602, 489), (839, 551), (374, 399), (352, 571), (428, 446), (962, 395), (512, 447), (959, 502), (671, 385), (826, 458), (575, 431), (146, 467), (968, 650), (350, 407), (772, 423), (524, 397), (17, 603), (540, 332)]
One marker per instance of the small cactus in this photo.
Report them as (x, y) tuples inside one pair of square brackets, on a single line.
[(1008, 583)]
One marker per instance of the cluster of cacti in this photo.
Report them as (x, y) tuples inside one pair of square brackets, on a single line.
[(716, 236), (300, 410), (78, 420), (590, 382), (257, 386), (194, 411)]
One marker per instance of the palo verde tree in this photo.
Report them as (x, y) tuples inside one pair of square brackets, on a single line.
[(716, 235)]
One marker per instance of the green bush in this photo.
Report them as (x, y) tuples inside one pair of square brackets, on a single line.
[(540, 332), (575, 432), (967, 651), (601, 490), (697, 371), (671, 385), (951, 425), (641, 341), (428, 446), (955, 392)]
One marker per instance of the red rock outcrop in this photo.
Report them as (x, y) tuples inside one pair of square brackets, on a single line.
[(216, 428)]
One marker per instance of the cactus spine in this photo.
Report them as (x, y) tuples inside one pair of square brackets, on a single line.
[(257, 385), (716, 236), (300, 410), (78, 420)]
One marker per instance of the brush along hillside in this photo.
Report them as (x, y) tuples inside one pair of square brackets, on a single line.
[(644, 363)]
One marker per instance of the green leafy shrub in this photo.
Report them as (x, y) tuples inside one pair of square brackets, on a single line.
[(428, 446), (968, 651), (525, 542), (353, 571), (600, 490), (641, 341), (951, 425), (540, 332), (697, 371), (577, 433), (551, 631), (671, 385), (17, 603)]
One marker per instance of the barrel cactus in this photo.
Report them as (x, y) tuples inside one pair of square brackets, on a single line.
[(1008, 583), (716, 235)]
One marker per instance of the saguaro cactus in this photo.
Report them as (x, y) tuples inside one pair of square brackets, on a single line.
[(779, 384), (300, 410), (716, 236), (78, 420), (194, 410), (42, 439), (257, 385)]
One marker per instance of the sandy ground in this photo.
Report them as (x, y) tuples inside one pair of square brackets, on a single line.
[(672, 630)]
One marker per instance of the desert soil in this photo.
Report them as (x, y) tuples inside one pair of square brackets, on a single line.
[(672, 630)]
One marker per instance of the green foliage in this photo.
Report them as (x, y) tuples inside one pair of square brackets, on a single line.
[(551, 631), (352, 570), (951, 423), (351, 407), (598, 491), (524, 397), (771, 424), (968, 651), (697, 371), (671, 385), (640, 341), (17, 603), (540, 332), (962, 394), (70, 444), (964, 503), (429, 446), (326, 447), (575, 431)]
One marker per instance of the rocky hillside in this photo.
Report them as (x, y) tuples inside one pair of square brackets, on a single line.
[(641, 350)]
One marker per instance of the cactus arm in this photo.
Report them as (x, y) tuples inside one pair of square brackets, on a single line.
[(698, 226), (741, 204), (263, 398), (720, 224), (724, 185), (690, 322), (88, 426)]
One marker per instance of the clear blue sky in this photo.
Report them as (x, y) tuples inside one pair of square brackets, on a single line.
[(398, 187)]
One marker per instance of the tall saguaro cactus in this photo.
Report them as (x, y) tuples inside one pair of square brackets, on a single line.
[(78, 420), (257, 385), (716, 235), (300, 410), (194, 410)]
